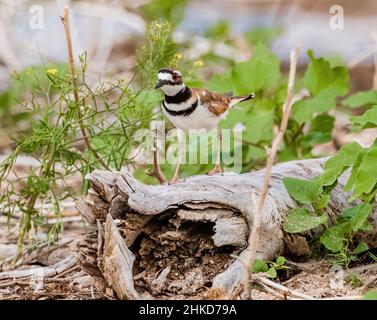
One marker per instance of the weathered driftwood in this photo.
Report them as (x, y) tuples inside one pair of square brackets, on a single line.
[(177, 240)]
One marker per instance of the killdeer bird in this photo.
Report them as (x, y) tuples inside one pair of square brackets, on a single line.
[(189, 108)]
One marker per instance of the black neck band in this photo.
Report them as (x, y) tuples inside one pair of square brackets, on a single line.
[(184, 112), (180, 97)]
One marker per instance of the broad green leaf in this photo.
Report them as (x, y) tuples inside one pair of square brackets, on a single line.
[(303, 191), (362, 98), (253, 153), (367, 227), (260, 126), (287, 154), (360, 216), (336, 165), (300, 220), (374, 144), (221, 82), (260, 72), (280, 261), (258, 120), (324, 83), (313, 138), (368, 119), (324, 101), (370, 295), (366, 176), (333, 238), (352, 178), (336, 60), (350, 213), (320, 76), (322, 202), (271, 273), (360, 248), (259, 266), (322, 123)]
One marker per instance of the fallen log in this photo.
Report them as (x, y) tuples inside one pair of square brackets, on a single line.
[(177, 241)]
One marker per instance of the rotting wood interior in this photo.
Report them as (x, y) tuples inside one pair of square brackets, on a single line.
[(176, 255)]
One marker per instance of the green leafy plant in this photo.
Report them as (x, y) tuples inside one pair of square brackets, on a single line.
[(75, 128), (270, 268), (310, 125), (312, 197)]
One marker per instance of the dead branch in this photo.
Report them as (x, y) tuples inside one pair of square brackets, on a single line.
[(286, 291), (50, 271)]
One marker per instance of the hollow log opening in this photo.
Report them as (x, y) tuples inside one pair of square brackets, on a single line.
[(181, 251)]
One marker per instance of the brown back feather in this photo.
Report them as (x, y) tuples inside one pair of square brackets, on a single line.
[(215, 102)]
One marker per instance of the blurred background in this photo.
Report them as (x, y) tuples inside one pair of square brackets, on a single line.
[(111, 31)]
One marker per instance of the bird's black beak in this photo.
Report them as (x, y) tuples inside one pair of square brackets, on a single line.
[(159, 84)]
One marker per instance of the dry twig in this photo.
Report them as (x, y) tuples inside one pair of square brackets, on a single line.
[(286, 291), (271, 155), (67, 30)]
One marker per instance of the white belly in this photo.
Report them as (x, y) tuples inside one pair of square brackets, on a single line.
[(201, 118)]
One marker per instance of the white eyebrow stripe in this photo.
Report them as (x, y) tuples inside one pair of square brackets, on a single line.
[(165, 76)]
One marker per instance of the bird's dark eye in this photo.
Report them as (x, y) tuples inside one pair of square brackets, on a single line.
[(175, 76)]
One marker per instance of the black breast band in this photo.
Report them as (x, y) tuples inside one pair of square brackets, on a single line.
[(184, 112)]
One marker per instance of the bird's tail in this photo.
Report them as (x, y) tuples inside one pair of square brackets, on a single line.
[(237, 99)]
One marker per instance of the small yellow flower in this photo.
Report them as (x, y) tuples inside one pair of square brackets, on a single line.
[(178, 56), (51, 71), (198, 63)]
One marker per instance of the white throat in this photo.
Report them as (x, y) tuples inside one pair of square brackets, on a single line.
[(172, 90)]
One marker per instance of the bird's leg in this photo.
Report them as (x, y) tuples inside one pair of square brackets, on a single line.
[(175, 178), (156, 172), (217, 168)]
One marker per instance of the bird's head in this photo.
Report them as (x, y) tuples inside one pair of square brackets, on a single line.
[(169, 81)]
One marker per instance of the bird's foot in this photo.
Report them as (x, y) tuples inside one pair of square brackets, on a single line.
[(217, 169)]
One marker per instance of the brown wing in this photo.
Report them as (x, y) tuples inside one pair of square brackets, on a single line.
[(216, 103)]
